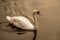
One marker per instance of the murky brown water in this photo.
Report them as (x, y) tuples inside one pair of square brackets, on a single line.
[(49, 22)]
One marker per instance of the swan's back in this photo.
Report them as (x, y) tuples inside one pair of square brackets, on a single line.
[(21, 22)]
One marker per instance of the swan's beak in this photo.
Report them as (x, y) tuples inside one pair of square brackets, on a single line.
[(39, 14)]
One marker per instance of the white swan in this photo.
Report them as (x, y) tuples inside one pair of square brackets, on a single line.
[(22, 21)]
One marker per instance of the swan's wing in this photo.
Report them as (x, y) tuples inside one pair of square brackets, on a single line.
[(22, 22)]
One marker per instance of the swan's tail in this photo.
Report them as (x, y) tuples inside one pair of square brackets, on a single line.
[(7, 17)]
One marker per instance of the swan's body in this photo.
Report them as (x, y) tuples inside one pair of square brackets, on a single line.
[(21, 22)]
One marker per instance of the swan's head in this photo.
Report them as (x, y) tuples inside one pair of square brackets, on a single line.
[(36, 12)]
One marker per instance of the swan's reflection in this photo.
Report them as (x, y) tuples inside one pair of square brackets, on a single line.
[(23, 31)]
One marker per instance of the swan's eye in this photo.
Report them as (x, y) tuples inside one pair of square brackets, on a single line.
[(38, 12)]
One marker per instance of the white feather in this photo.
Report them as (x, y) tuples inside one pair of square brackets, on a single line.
[(21, 22)]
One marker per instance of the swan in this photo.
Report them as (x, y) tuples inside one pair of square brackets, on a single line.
[(22, 21)]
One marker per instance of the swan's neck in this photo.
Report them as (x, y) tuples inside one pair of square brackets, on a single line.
[(35, 20)]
